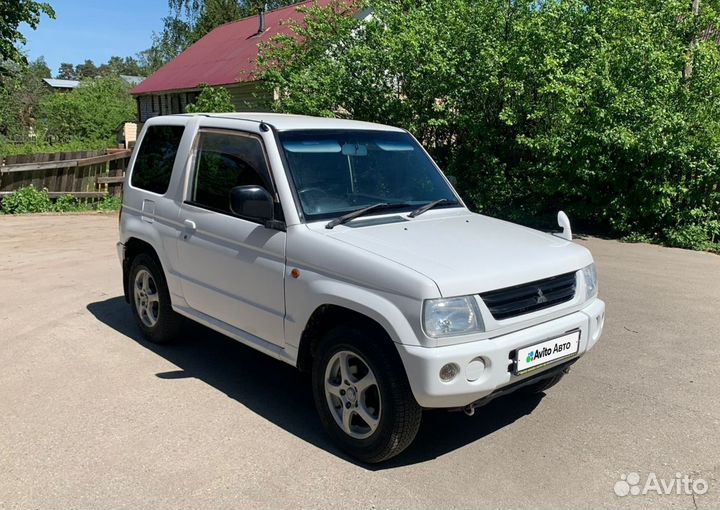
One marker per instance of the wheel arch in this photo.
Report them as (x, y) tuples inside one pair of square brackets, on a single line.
[(326, 317), (133, 247)]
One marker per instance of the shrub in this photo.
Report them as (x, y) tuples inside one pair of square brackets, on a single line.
[(212, 100), (27, 200), (534, 106), (68, 203), (91, 112), (634, 237), (109, 204), (40, 146)]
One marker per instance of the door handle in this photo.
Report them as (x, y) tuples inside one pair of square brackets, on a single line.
[(190, 227)]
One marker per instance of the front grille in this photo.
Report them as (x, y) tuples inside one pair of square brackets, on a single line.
[(530, 297)]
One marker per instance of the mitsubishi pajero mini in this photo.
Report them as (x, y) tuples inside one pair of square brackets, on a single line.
[(340, 247)]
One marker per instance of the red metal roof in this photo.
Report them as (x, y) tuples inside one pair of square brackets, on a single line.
[(226, 55)]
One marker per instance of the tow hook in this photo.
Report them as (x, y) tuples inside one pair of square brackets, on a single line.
[(469, 410)]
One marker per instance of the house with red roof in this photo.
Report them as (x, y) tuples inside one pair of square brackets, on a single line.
[(225, 57)]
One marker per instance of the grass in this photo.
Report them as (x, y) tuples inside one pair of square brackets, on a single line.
[(23, 149), (29, 200)]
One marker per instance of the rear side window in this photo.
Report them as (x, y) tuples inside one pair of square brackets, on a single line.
[(224, 161), (155, 158)]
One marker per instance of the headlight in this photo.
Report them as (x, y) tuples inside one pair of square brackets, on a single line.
[(451, 316), (591, 284)]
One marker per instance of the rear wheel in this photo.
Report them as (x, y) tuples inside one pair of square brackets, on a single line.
[(362, 395), (150, 301)]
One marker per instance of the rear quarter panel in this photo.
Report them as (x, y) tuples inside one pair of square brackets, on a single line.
[(152, 217)]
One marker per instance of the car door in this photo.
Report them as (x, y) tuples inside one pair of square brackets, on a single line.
[(232, 268)]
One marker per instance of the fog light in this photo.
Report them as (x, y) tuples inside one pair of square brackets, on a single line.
[(449, 372), (475, 369)]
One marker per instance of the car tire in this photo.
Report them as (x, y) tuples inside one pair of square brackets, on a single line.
[(542, 385), (150, 301), (369, 411)]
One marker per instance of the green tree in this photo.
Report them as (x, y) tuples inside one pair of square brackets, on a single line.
[(151, 59), (114, 66), (39, 68), (87, 69), (92, 112), (131, 66), (117, 66), (212, 100), (214, 13), (175, 38), (12, 14), (66, 72), (582, 105), (190, 20), (21, 91)]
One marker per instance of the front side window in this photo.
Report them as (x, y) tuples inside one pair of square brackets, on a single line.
[(156, 157), (222, 162), (336, 172)]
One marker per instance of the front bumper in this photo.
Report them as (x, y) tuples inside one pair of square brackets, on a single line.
[(423, 364)]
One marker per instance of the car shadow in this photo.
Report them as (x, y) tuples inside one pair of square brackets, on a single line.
[(281, 394)]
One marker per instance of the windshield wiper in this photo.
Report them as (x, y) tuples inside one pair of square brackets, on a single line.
[(425, 208), (361, 212), (355, 214)]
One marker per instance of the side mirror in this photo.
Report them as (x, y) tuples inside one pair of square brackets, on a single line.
[(564, 223), (253, 202)]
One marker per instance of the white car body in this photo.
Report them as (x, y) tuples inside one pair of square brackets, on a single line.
[(238, 277)]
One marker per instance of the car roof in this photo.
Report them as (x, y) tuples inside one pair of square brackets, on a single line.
[(287, 122)]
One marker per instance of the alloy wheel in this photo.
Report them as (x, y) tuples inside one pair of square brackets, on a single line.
[(147, 298), (352, 394)]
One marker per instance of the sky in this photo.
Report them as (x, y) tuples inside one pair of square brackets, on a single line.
[(94, 29)]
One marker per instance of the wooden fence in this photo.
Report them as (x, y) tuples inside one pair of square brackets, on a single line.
[(88, 174)]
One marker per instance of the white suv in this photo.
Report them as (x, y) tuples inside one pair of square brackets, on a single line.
[(339, 247)]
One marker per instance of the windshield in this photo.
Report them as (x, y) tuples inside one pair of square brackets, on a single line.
[(336, 172)]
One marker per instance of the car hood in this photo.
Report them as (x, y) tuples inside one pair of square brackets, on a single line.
[(463, 252)]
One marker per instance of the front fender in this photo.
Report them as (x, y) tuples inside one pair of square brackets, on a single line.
[(393, 312)]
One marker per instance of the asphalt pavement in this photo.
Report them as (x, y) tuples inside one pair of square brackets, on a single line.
[(91, 416)]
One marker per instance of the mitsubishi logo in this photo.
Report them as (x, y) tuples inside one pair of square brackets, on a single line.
[(540, 299)]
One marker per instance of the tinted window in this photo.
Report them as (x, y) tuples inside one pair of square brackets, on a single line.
[(155, 158), (224, 161)]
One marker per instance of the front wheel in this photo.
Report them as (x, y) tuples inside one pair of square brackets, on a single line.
[(362, 395)]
